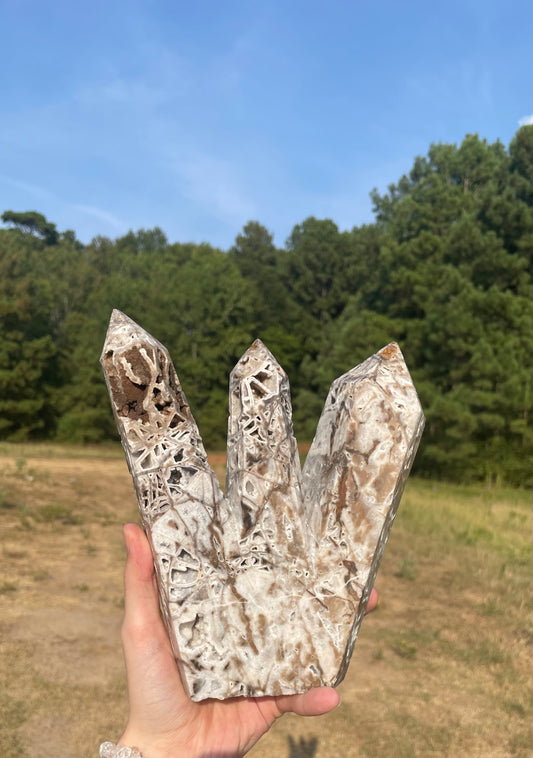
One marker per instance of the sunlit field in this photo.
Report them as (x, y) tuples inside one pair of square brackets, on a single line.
[(441, 668)]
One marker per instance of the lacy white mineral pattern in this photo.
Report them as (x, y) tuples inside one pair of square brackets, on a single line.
[(263, 590)]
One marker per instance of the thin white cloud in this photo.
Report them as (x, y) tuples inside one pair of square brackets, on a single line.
[(101, 215), (526, 120), (467, 79), (133, 94), (59, 203), (214, 185), (31, 189), (165, 78)]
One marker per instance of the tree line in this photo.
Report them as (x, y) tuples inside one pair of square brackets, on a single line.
[(445, 270)]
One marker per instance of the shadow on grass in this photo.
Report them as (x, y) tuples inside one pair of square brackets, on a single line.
[(303, 748)]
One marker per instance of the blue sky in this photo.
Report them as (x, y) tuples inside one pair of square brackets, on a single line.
[(199, 116)]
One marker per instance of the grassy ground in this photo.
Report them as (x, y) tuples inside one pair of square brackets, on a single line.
[(442, 668)]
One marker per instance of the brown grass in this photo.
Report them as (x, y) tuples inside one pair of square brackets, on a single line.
[(442, 668)]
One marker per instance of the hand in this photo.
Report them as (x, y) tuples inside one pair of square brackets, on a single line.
[(163, 721)]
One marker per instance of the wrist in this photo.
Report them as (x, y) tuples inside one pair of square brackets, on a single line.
[(118, 750), (144, 747)]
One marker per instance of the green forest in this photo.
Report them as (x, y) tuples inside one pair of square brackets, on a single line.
[(445, 270)]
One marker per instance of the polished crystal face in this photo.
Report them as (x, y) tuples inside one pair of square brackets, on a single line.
[(263, 589)]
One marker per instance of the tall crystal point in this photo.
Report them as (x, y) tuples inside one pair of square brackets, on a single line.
[(263, 590)]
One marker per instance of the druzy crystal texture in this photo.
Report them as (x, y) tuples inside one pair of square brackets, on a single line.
[(263, 589)]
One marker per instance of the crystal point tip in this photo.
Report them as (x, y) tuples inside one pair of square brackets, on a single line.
[(392, 350), (253, 359)]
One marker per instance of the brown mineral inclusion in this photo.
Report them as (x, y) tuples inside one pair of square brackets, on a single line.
[(263, 589)]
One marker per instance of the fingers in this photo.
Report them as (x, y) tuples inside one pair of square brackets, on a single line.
[(156, 693), (138, 549), (373, 600), (143, 631), (313, 703), (141, 603), (322, 699)]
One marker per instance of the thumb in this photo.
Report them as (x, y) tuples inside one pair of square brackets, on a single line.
[(313, 703)]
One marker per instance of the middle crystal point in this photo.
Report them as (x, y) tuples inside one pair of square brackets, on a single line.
[(263, 590)]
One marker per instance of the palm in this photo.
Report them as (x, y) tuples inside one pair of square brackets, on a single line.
[(163, 720), (230, 726)]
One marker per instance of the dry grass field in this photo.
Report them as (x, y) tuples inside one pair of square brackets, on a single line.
[(442, 667)]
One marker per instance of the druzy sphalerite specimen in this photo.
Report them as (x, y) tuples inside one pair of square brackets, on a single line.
[(263, 590)]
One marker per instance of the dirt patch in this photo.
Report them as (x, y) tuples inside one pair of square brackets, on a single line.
[(441, 668)]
